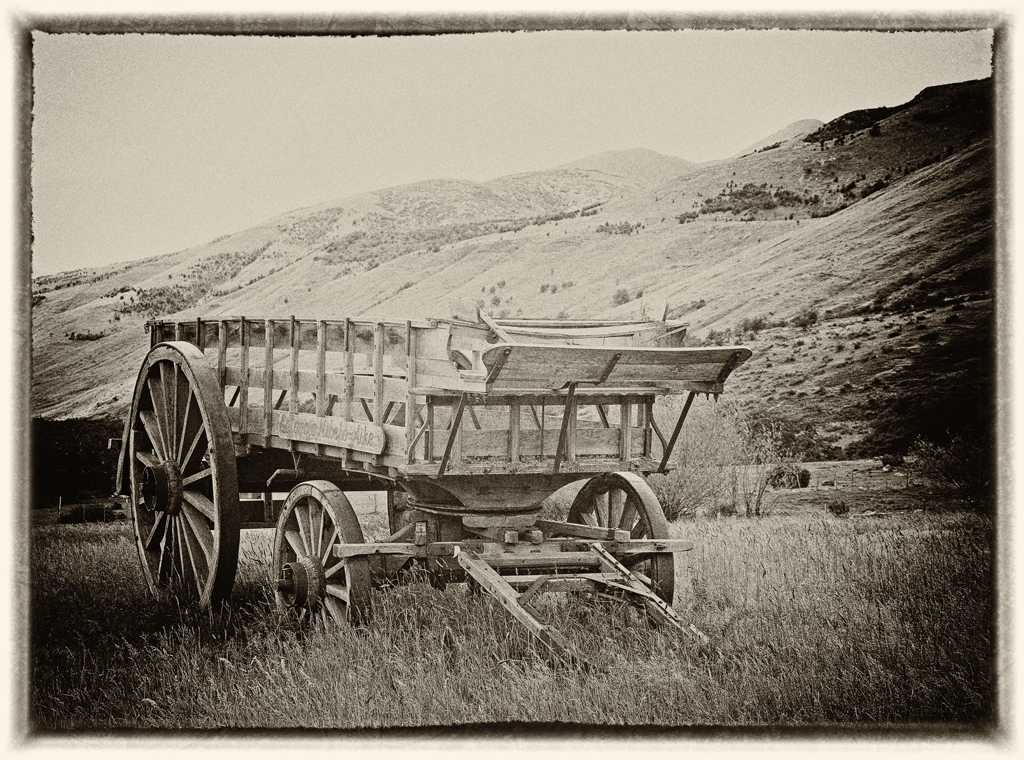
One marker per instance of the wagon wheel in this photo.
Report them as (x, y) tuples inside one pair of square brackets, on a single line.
[(184, 484), (311, 581), (624, 501)]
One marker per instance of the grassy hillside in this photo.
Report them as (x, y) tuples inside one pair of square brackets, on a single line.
[(857, 261)]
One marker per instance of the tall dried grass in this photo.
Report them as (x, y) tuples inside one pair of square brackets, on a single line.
[(813, 621)]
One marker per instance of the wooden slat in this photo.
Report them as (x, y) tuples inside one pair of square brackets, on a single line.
[(554, 366), (410, 400), (589, 442), (222, 351), (514, 430), (321, 367), (378, 373), (625, 430), (268, 380), (294, 341), (243, 382)]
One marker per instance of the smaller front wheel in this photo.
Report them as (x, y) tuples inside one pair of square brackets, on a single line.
[(311, 581)]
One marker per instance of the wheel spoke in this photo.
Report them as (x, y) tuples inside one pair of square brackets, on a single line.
[(188, 539), (156, 532), (186, 415), (200, 502), (333, 569), (295, 541), (200, 530), (335, 609), (178, 555), (616, 501), (161, 573), (337, 591), (330, 545), (159, 398), (187, 460), (304, 524), (148, 459), (601, 509), (171, 391), (320, 531), (152, 427), (198, 476), (629, 514)]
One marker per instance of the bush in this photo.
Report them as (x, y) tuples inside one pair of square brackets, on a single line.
[(789, 476), (621, 297), (805, 319), (964, 464)]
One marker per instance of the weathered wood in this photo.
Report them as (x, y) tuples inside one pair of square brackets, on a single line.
[(675, 433), (456, 425), (567, 416), (268, 379), (488, 579), (243, 381), (378, 372), (295, 343)]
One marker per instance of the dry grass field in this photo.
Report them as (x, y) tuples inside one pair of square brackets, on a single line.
[(875, 621)]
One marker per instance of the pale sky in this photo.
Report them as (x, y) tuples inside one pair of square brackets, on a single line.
[(149, 144)]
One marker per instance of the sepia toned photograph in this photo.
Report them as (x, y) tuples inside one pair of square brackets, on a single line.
[(585, 375)]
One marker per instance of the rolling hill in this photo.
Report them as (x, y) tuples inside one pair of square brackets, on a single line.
[(856, 258)]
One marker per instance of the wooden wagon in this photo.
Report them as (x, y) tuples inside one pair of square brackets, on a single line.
[(467, 423)]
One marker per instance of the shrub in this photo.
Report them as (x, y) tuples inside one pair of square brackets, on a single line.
[(805, 319), (789, 476), (621, 296), (963, 464)]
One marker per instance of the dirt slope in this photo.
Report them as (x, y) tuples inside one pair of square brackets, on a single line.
[(877, 216)]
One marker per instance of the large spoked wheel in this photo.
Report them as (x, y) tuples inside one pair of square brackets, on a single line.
[(624, 501), (311, 582), (184, 484)]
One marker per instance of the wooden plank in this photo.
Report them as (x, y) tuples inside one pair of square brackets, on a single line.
[(514, 429), (495, 585), (531, 467), (378, 372), (411, 412), (268, 381), (625, 430), (563, 434), (456, 425), (675, 433), (222, 351), (554, 366), (496, 328), (294, 342), (243, 382), (589, 442), (386, 389), (332, 431), (430, 431), (321, 367)]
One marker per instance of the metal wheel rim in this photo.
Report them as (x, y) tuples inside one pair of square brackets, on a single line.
[(186, 533)]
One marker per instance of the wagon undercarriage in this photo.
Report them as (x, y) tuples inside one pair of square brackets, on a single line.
[(467, 424)]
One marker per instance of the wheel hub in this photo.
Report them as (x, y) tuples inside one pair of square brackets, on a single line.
[(302, 582), (161, 488)]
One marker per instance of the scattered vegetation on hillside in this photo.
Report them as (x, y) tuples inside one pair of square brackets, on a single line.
[(622, 228)]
